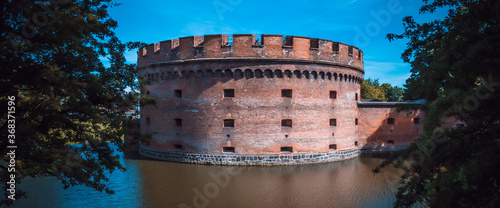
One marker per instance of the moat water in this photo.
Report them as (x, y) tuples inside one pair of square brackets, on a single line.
[(151, 183)]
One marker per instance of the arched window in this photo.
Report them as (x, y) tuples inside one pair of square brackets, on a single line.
[(249, 74)]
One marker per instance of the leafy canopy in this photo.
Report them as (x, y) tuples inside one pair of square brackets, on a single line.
[(372, 89), (69, 106), (455, 67)]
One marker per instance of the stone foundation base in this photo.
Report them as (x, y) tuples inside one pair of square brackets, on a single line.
[(267, 159), (248, 159)]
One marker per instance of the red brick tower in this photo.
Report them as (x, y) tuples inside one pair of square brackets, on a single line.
[(275, 101)]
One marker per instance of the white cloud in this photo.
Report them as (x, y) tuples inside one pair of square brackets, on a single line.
[(387, 72)]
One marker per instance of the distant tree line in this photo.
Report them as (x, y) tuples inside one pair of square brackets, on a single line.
[(372, 89)]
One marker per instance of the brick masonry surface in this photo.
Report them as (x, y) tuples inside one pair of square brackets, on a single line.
[(280, 96)]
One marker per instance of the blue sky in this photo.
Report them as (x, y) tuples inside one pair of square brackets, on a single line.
[(362, 23)]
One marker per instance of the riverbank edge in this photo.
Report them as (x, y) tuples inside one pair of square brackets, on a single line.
[(267, 159)]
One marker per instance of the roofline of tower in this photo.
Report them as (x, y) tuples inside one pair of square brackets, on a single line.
[(251, 59)]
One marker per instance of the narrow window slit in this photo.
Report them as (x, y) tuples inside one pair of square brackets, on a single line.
[(286, 149), (229, 123), (286, 93), (228, 150), (286, 123)]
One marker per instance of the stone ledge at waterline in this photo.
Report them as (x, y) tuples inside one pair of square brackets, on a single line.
[(265, 159)]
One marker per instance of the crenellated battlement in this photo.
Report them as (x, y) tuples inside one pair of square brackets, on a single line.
[(247, 46)]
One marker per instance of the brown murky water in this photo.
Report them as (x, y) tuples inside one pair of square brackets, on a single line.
[(150, 183)]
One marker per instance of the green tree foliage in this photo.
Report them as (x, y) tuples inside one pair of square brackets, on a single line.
[(412, 89), (372, 89), (455, 67), (69, 106), (393, 93)]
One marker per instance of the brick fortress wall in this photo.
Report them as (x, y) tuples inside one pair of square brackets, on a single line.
[(382, 128), (287, 96)]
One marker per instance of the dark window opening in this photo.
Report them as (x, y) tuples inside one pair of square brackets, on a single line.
[(219, 74), (147, 92), (177, 147), (238, 74), (286, 149), (314, 74), (286, 123), (306, 74), (278, 73), (356, 97), (287, 93), (228, 149), (335, 47), (297, 74), (178, 93), (333, 147), (148, 121), (268, 73), (390, 121), (248, 74), (351, 49), (333, 94), (356, 121), (178, 122), (390, 142), (322, 75), (356, 143), (259, 74), (333, 122), (228, 92), (416, 120), (229, 123), (228, 73), (314, 43)]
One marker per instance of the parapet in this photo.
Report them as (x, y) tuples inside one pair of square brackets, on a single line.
[(247, 46)]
